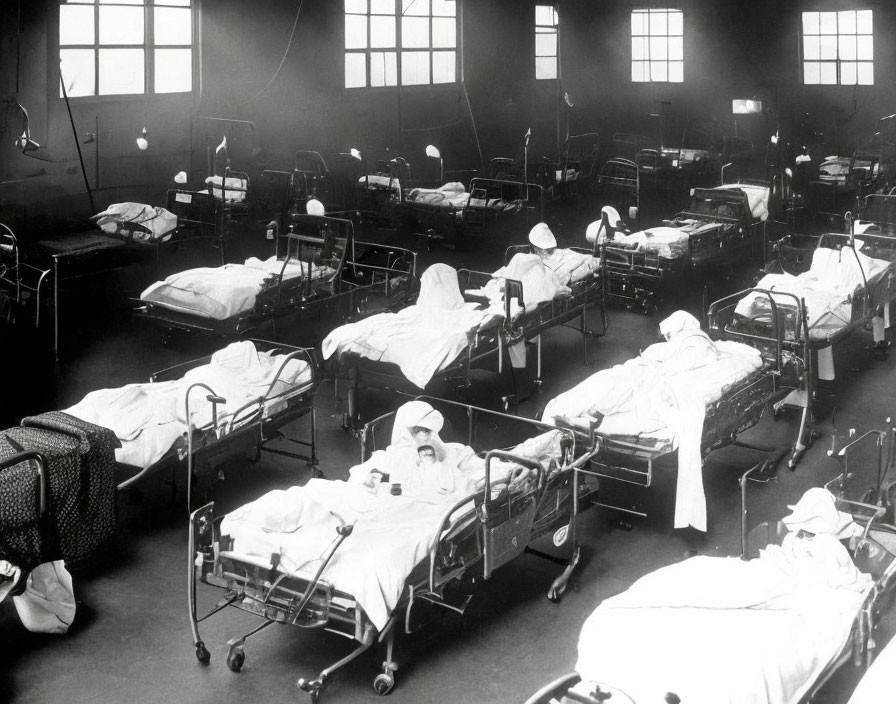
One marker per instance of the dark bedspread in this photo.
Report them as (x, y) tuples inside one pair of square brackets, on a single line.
[(81, 513)]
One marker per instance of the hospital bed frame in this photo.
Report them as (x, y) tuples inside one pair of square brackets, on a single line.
[(252, 426), (368, 278), (490, 533), (492, 339), (635, 278), (483, 212), (878, 210), (21, 283), (27, 460), (629, 460), (791, 319), (873, 553)]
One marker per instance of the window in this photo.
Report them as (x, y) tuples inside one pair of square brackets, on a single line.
[(838, 48), (411, 40), (546, 51), (657, 46), (126, 47)]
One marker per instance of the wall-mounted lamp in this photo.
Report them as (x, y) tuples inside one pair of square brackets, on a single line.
[(355, 154), (24, 141), (180, 177), (142, 141), (433, 153)]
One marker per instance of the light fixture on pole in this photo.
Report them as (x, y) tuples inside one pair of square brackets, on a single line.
[(433, 153), (142, 139)]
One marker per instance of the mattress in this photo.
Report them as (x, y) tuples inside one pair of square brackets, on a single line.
[(234, 189), (221, 292), (450, 195)]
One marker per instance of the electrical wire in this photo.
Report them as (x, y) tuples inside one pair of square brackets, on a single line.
[(292, 35)]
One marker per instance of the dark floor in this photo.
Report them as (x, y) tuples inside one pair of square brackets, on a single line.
[(131, 641)]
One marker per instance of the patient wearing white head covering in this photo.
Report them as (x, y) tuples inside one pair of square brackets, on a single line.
[(686, 346), (417, 424)]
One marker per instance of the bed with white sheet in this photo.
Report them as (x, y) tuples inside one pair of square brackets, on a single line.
[(766, 630), (723, 227), (251, 387), (359, 557), (437, 333), (318, 269), (461, 318), (689, 394)]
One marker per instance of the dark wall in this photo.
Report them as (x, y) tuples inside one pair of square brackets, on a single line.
[(284, 78)]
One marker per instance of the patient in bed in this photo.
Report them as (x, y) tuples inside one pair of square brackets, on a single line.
[(417, 460), (568, 265)]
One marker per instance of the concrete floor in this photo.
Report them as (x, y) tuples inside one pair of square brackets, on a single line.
[(131, 640)]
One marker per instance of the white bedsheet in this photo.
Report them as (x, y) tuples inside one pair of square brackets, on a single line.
[(757, 198), (148, 418), (448, 195), (876, 685), (661, 395), (233, 188), (391, 534), (221, 292), (718, 630), (827, 288), (421, 339)]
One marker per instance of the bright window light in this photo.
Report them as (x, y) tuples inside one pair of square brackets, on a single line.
[(408, 40), (838, 48), (126, 47), (657, 46), (546, 46)]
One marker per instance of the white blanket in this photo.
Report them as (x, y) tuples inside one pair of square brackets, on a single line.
[(717, 630), (234, 189), (221, 292), (391, 534), (148, 418), (421, 339), (663, 395), (449, 195), (757, 198), (834, 276)]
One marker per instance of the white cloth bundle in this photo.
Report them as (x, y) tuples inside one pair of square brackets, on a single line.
[(140, 221)]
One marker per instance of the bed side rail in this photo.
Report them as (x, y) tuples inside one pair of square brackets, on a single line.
[(36, 460), (513, 288), (401, 262), (376, 433)]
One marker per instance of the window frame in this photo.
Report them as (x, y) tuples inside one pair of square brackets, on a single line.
[(402, 53), (148, 47), (647, 63), (553, 29), (838, 36)]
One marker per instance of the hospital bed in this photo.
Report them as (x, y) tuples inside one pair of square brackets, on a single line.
[(828, 287), (771, 627), (682, 404), (416, 348), (194, 416), (369, 589), (497, 205), (722, 228), (318, 270), (876, 215)]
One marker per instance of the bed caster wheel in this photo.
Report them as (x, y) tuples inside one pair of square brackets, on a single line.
[(202, 654), (235, 659), (383, 684)]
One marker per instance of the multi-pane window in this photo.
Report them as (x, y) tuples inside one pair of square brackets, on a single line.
[(546, 51), (838, 48), (414, 41), (658, 46), (124, 47)]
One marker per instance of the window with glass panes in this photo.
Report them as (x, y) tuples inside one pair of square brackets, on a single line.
[(124, 47), (412, 41), (546, 51), (657, 46), (838, 48)]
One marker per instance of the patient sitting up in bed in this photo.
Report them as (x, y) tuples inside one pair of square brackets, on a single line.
[(417, 460), (568, 265)]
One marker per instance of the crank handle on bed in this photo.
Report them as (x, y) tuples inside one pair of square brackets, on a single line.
[(514, 459)]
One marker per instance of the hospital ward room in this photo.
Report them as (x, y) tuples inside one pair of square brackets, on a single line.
[(506, 351)]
